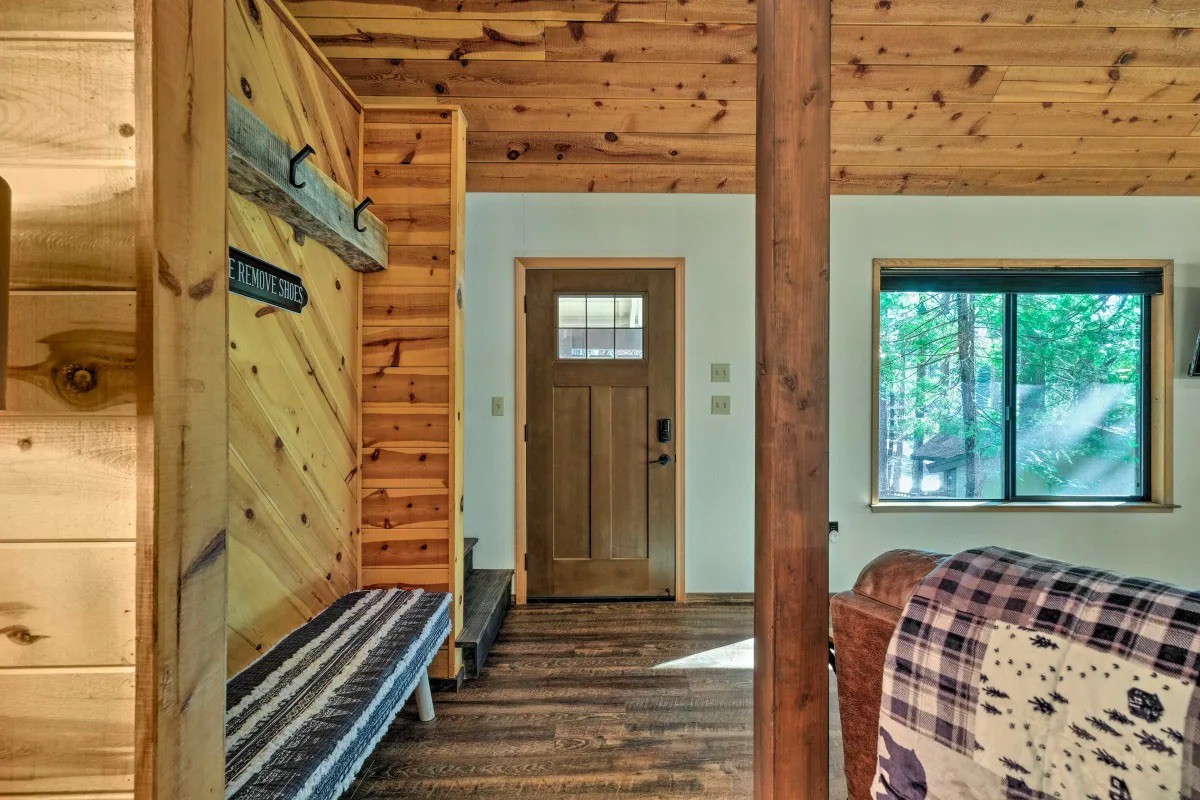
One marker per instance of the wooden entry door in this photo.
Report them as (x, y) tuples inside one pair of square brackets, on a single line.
[(600, 376)]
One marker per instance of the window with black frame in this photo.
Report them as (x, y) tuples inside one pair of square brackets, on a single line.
[(1015, 385)]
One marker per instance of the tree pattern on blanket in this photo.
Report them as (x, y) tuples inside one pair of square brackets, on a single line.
[(1062, 720)]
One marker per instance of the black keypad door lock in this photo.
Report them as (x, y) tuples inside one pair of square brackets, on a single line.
[(664, 430)]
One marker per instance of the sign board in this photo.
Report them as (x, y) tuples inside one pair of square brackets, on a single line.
[(252, 277)]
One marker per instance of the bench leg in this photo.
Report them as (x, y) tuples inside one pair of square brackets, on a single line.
[(424, 698)]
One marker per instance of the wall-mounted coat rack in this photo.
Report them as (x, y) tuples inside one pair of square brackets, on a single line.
[(270, 172)]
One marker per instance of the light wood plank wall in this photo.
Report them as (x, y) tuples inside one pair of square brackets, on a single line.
[(67, 443), (414, 162), (929, 97), (294, 379)]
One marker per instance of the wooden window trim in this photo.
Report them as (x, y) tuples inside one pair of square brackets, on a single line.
[(520, 268), (1162, 372)]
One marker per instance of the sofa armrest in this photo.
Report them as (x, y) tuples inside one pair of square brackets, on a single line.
[(862, 629)]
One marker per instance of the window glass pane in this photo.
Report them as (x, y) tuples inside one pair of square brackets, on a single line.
[(600, 343), (571, 312), (600, 312), (1079, 391), (941, 398), (629, 312), (601, 326), (629, 343), (572, 343)]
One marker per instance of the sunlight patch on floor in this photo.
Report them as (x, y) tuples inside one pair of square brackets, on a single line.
[(739, 655)]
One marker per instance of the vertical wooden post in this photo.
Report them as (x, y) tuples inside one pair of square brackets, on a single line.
[(182, 400), (791, 699)]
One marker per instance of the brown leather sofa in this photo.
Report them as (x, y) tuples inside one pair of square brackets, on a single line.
[(863, 619)]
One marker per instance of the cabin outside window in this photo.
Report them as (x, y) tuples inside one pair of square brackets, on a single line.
[(1021, 384)]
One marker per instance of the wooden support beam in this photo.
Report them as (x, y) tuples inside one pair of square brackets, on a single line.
[(182, 447), (259, 166), (791, 565)]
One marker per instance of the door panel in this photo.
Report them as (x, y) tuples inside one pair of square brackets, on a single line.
[(630, 469), (601, 509), (571, 442)]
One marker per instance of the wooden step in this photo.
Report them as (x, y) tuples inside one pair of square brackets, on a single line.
[(469, 555), (488, 596)]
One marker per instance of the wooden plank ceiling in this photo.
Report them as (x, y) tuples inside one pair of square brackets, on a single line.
[(930, 96)]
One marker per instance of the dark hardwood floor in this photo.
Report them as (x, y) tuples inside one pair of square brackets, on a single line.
[(570, 705)]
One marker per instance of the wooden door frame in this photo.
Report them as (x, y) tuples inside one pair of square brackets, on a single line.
[(520, 267)]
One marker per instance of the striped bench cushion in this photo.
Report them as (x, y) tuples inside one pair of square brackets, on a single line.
[(301, 720)]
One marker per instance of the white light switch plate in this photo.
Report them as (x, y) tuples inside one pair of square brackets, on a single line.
[(720, 404), (497, 406), (720, 373)]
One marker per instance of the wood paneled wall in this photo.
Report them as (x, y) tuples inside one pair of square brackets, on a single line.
[(414, 167), (929, 97), (67, 443), (293, 378)]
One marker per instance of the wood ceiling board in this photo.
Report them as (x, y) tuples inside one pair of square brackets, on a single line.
[(1119, 13), (1091, 84), (506, 40), (1016, 119), (692, 178), (613, 10), (599, 148), (904, 82), (632, 116), (1181, 152), (652, 103), (682, 43), (712, 10), (455, 80), (1013, 181), (968, 45)]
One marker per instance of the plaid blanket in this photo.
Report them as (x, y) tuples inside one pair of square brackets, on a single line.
[(301, 720), (1014, 676)]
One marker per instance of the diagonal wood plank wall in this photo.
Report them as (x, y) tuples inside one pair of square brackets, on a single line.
[(67, 442), (412, 445), (294, 380), (929, 97)]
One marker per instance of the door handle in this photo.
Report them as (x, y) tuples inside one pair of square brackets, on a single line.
[(662, 460)]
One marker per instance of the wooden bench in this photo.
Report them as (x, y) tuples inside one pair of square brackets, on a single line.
[(301, 720)]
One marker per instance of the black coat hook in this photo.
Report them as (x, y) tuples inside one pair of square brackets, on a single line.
[(358, 209), (295, 164)]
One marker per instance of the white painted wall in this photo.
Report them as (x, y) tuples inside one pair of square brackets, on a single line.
[(715, 234)]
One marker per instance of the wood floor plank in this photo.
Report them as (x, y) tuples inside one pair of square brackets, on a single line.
[(572, 703)]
